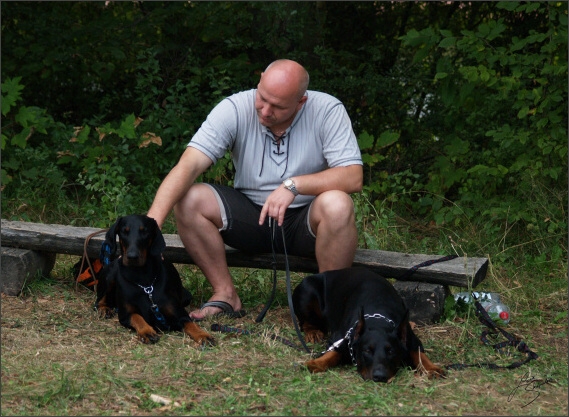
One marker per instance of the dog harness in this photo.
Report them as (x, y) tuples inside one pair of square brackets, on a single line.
[(349, 336)]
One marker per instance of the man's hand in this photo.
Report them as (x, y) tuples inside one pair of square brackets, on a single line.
[(276, 204)]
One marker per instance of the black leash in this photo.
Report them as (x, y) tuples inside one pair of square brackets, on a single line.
[(493, 329), (405, 276), (268, 304), (289, 296), (485, 319), (273, 225), (261, 316)]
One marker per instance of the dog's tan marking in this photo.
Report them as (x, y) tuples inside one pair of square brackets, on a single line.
[(324, 362), (145, 332), (103, 309), (424, 365), (198, 334), (312, 334)]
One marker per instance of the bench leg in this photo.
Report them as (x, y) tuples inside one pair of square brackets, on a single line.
[(20, 266), (426, 302)]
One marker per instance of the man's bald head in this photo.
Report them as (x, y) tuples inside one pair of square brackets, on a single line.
[(289, 75)]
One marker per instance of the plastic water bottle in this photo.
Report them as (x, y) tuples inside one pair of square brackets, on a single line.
[(483, 297), (490, 301), (499, 312)]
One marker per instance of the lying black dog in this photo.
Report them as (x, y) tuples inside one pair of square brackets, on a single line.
[(146, 290), (367, 321)]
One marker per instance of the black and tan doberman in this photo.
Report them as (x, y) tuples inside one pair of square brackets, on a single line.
[(145, 289), (366, 321)]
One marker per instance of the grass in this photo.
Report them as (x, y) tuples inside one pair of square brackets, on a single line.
[(59, 358)]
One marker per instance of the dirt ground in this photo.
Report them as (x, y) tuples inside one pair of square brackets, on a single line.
[(56, 331)]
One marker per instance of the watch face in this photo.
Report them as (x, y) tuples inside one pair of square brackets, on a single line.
[(288, 182)]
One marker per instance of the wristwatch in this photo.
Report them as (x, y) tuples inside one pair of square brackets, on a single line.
[(289, 185)]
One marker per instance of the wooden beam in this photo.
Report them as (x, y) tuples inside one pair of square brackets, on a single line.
[(459, 272)]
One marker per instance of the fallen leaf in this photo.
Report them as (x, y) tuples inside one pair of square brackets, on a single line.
[(160, 400)]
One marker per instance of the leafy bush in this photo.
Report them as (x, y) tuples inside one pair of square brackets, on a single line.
[(460, 109)]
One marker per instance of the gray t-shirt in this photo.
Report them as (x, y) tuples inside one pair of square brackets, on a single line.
[(319, 137)]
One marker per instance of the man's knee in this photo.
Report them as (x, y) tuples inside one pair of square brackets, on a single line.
[(335, 203), (199, 202), (336, 206)]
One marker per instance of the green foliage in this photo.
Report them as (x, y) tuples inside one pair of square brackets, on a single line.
[(10, 94), (23, 125), (20, 126), (503, 118), (110, 161), (453, 309), (372, 219), (460, 110)]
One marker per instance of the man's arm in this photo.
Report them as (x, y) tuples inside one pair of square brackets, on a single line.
[(348, 179), (191, 165)]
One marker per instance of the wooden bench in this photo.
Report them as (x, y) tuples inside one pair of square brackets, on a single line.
[(424, 291)]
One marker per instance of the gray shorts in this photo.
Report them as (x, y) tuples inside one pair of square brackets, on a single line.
[(241, 229)]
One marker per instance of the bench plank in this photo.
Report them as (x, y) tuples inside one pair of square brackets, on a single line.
[(459, 272)]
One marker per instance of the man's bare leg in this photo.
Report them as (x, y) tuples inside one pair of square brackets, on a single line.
[(332, 220), (198, 219)]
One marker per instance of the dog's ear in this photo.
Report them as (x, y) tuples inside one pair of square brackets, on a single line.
[(360, 327), (158, 242), (404, 329), (109, 246)]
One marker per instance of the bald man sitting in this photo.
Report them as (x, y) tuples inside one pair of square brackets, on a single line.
[(296, 161)]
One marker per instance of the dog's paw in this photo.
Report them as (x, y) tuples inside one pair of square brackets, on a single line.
[(105, 312), (202, 337), (315, 366), (148, 337), (436, 373), (324, 362), (432, 371), (424, 366), (206, 341)]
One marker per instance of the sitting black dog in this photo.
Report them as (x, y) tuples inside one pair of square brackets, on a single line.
[(145, 289), (367, 321)]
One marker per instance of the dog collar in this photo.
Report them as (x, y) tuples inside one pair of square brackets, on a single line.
[(349, 336)]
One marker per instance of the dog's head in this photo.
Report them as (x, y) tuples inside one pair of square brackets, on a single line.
[(139, 238), (378, 347)]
